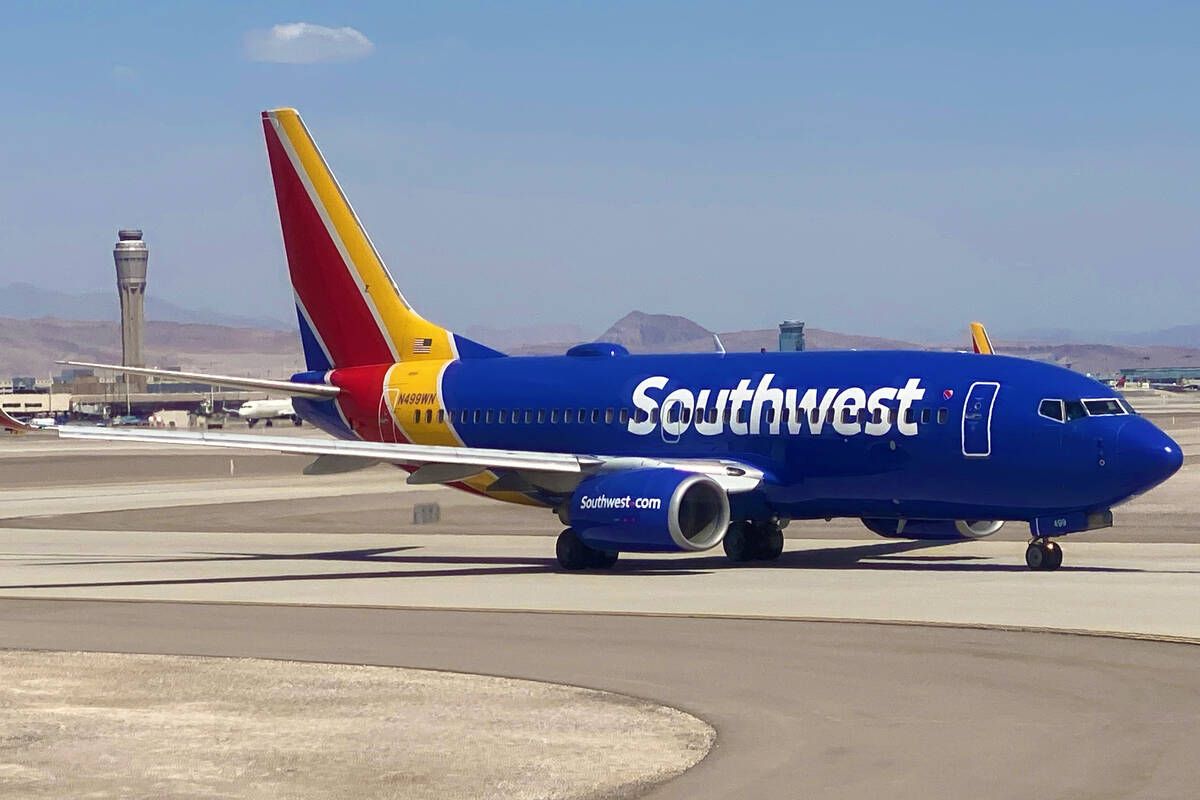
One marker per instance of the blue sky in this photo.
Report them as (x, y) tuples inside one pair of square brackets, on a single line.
[(884, 168)]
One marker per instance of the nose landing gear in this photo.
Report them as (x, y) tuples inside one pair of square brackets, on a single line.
[(1043, 555)]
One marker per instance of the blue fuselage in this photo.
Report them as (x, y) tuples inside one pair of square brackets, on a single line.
[(897, 434), (1015, 464)]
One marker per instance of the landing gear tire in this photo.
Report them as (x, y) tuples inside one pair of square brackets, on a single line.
[(770, 543), (1043, 555), (739, 545), (753, 541), (603, 559), (574, 555), (250, 423)]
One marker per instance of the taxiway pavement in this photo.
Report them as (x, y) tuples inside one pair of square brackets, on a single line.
[(185, 559)]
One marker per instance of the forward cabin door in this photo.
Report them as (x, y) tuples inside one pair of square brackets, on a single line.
[(977, 419)]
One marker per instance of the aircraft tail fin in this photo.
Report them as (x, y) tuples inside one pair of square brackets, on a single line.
[(351, 312), (980, 340)]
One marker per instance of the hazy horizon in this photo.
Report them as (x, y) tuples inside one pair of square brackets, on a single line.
[(869, 168)]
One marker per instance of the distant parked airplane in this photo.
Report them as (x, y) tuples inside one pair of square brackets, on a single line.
[(254, 410), (678, 452)]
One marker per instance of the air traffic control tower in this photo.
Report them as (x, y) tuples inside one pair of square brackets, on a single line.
[(131, 254), (791, 335)]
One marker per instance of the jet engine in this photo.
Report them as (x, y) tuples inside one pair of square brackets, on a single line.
[(933, 529), (650, 510)]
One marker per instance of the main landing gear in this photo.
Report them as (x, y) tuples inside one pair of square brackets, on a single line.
[(574, 555), (753, 541), (1043, 555)]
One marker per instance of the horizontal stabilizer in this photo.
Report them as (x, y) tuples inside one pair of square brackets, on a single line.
[(291, 388)]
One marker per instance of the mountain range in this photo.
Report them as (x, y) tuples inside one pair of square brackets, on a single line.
[(26, 301), (665, 333), (32, 338)]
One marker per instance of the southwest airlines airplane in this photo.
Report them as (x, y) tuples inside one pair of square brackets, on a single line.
[(677, 453)]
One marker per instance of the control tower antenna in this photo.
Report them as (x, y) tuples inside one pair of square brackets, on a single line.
[(131, 254)]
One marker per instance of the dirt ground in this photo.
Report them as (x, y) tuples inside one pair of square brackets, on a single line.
[(118, 726)]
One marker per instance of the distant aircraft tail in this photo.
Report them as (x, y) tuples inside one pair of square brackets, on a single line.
[(351, 313), (980, 340)]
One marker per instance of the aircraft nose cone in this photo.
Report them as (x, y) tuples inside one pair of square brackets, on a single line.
[(1147, 454)]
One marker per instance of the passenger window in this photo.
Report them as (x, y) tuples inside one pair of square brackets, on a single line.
[(428, 415), (877, 417), (442, 416), (712, 416), (845, 415), (516, 416), (741, 415), (488, 419), (910, 416), (892, 414), (475, 417), (582, 416), (568, 414), (608, 416), (727, 414), (815, 416), (503, 418), (417, 416), (943, 415), (541, 415), (528, 416), (553, 415), (783, 416), (926, 415), (595, 415), (624, 415), (1075, 409), (1051, 409), (829, 417), (862, 416), (770, 416)]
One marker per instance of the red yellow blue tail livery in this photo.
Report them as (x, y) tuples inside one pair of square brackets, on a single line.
[(677, 453)]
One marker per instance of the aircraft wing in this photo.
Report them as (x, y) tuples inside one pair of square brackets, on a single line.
[(435, 463)]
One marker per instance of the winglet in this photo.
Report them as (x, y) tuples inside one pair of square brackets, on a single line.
[(979, 338)]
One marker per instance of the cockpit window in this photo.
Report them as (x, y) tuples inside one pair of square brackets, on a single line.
[(1075, 409), (1100, 408), (1051, 409)]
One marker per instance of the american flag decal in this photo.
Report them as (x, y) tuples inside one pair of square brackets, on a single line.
[(422, 346)]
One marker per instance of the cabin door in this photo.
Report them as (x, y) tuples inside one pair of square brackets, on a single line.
[(977, 419)]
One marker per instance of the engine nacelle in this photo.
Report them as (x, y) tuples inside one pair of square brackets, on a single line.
[(933, 529), (652, 510)]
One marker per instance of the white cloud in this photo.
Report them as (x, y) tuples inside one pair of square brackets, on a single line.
[(306, 43)]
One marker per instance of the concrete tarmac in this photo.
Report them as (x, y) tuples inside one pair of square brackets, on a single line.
[(331, 568), (801, 709)]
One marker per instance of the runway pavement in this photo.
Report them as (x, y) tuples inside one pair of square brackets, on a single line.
[(264, 563), (801, 709)]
